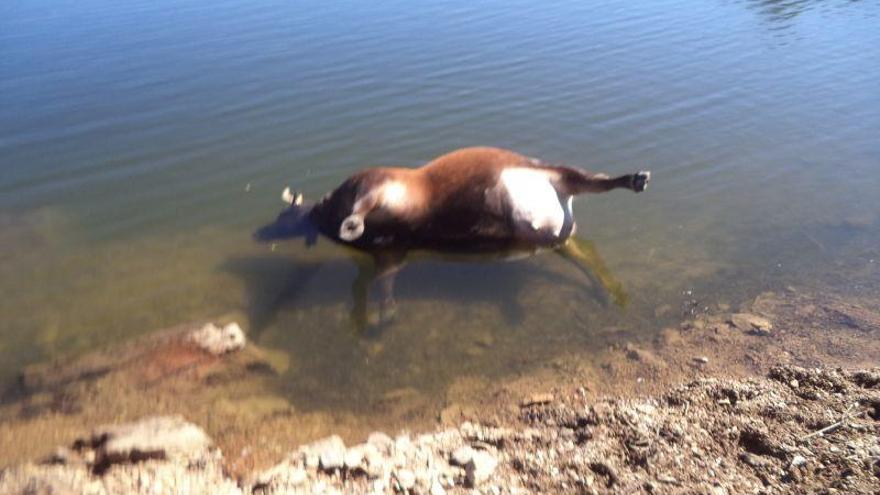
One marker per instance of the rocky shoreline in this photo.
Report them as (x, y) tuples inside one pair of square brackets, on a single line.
[(797, 430), (780, 396)]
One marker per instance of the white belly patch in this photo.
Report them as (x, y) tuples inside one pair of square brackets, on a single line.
[(534, 200)]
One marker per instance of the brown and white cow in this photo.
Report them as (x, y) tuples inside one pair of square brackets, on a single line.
[(472, 200)]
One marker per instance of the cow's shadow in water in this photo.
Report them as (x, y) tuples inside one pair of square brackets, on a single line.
[(274, 283)]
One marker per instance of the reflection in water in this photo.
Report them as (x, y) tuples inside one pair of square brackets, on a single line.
[(783, 14), (783, 11), (274, 283)]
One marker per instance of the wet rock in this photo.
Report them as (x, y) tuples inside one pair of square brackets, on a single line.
[(751, 323), (216, 340)]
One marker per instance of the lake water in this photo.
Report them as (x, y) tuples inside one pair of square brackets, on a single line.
[(142, 142)]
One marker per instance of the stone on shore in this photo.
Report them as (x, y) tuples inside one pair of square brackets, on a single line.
[(157, 437), (462, 456), (329, 451), (479, 468)]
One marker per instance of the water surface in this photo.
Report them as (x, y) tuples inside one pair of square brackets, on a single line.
[(142, 142)]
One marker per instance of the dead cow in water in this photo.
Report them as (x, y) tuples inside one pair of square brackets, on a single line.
[(472, 200)]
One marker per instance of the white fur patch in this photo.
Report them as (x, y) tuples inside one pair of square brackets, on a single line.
[(393, 194), (534, 199)]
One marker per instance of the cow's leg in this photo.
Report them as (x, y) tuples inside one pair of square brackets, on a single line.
[(576, 181), (387, 266), (583, 254), (360, 292), (382, 268)]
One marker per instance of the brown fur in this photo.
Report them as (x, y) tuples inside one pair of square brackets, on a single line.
[(454, 204)]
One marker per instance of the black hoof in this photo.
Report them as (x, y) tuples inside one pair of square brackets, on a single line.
[(640, 181)]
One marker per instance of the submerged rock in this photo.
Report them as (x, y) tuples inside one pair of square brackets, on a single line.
[(216, 340), (750, 323)]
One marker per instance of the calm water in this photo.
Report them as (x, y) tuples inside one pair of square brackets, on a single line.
[(141, 143)]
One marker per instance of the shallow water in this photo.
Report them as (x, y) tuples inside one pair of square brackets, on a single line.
[(142, 142)]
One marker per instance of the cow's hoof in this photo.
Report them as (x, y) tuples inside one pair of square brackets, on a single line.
[(640, 180)]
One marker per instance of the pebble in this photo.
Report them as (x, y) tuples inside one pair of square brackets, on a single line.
[(406, 479), (331, 460), (662, 478), (462, 456), (718, 490), (297, 477), (379, 438), (480, 468), (353, 458), (752, 460), (330, 452), (437, 488), (310, 460), (798, 460)]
